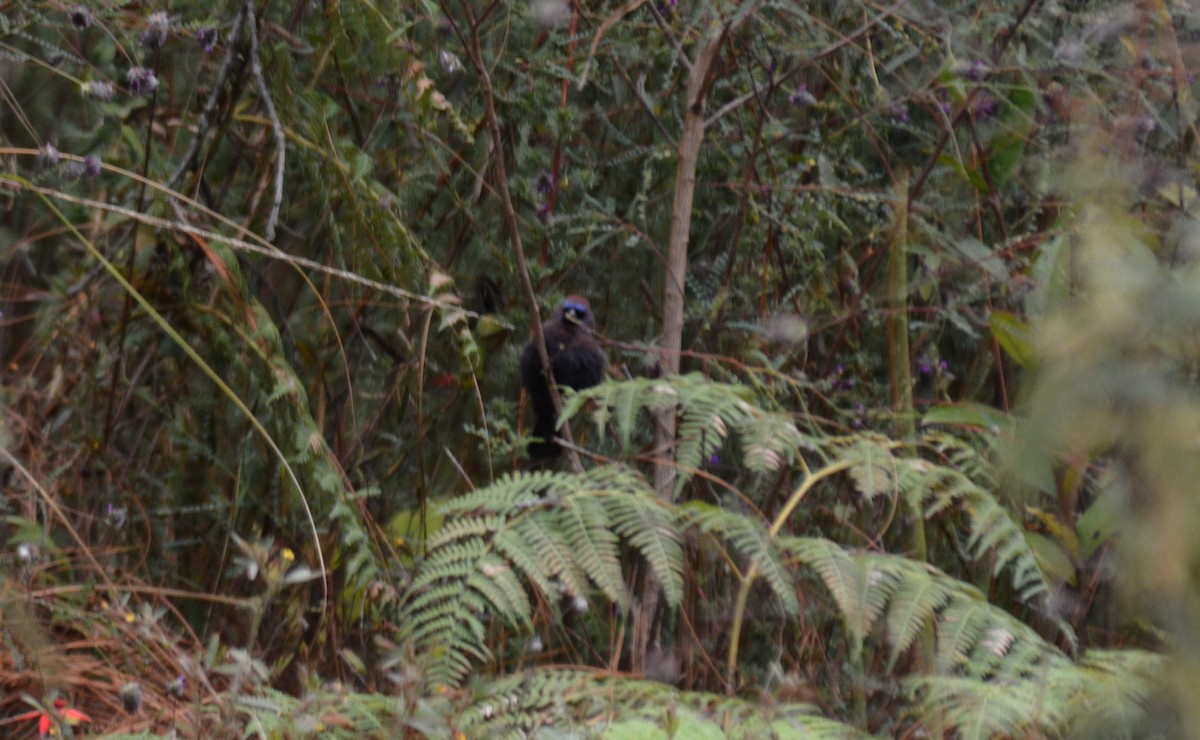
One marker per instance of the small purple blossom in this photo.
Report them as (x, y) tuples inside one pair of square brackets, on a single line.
[(207, 38), (97, 90), (899, 111), (141, 80), (713, 459), (449, 61), (116, 515), (48, 155), (801, 97), (176, 688), (131, 697), (89, 167), (82, 17), (544, 182), (841, 381), (985, 105), (155, 34), (943, 100)]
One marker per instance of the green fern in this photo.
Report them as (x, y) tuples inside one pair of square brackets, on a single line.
[(554, 702), (708, 411), (752, 539), (995, 676), (555, 534), (1104, 694), (933, 489)]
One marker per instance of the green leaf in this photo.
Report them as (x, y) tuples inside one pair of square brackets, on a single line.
[(969, 415), (1015, 337), (1006, 155), (1051, 558), (1096, 526)]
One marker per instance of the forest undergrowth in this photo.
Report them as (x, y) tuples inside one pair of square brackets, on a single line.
[(900, 302)]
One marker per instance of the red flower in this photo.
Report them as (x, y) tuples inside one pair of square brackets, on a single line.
[(46, 720)]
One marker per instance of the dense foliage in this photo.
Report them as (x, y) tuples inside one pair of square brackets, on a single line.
[(901, 301)]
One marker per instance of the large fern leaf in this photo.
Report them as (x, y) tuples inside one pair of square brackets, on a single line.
[(550, 534)]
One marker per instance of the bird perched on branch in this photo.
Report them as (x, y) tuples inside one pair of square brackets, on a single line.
[(576, 360)]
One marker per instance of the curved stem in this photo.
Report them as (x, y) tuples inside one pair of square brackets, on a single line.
[(743, 597)]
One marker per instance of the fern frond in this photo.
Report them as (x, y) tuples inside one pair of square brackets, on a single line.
[(708, 411), (932, 488), (583, 521), (751, 538), (974, 638), (860, 588), (555, 555), (651, 528), (919, 594), (1104, 694), (583, 703), (545, 533)]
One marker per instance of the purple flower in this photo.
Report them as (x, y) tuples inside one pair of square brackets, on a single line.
[(175, 688), (131, 697), (141, 80), (801, 97), (985, 105), (82, 17), (89, 167), (544, 182), (943, 100), (116, 516), (450, 63), (155, 34), (207, 38), (48, 155), (97, 90)]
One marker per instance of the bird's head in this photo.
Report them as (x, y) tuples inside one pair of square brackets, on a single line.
[(576, 310)]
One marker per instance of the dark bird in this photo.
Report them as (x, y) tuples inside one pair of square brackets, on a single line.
[(577, 362)]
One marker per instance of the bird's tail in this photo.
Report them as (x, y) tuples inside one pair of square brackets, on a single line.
[(544, 428)]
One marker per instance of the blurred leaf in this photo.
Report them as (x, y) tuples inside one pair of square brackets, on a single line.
[(1051, 558), (1096, 526), (1015, 337)]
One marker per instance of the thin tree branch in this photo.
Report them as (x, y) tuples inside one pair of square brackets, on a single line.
[(474, 50), (210, 105), (276, 126)]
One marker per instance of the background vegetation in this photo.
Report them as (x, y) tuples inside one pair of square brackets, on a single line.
[(902, 300)]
